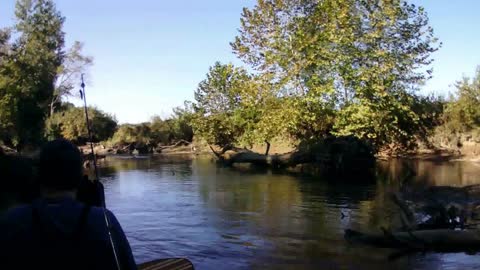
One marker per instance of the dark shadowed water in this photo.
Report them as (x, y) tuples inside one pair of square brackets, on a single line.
[(222, 218)]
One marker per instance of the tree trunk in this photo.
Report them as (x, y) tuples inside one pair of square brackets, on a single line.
[(52, 104), (52, 108), (268, 148)]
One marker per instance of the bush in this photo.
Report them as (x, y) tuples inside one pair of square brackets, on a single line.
[(70, 124), (462, 113), (158, 131)]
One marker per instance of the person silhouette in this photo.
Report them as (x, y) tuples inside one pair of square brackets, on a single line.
[(57, 231)]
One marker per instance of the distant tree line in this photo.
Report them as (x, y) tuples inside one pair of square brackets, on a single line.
[(37, 73), (156, 132)]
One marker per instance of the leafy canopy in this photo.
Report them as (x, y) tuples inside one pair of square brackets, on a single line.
[(28, 70), (355, 61)]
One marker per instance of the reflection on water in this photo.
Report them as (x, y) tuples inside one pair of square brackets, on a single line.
[(436, 173), (222, 218)]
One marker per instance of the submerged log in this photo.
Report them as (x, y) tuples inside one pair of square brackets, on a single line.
[(436, 240)]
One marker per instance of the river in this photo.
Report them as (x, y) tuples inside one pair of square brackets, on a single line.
[(224, 218)]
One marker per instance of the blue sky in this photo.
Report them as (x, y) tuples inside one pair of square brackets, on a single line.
[(151, 54)]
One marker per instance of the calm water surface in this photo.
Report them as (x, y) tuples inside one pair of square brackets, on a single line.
[(223, 218)]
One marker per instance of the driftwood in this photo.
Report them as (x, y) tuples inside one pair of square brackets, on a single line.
[(128, 146), (230, 156), (177, 144)]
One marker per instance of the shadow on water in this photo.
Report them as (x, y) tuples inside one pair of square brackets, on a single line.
[(257, 219)]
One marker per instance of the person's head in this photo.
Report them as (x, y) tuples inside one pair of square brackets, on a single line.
[(60, 166), (16, 173)]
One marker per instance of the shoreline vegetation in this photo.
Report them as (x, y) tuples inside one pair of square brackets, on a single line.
[(329, 83)]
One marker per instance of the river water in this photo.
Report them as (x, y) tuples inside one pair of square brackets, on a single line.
[(224, 218)]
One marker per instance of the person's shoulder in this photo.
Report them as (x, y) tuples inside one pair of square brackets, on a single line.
[(101, 217), (18, 213), (101, 213), (16, 219)]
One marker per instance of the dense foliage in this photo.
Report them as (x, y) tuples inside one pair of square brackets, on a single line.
[(69, 123), (346, 67), (28, 71), (462, 113), (36, 71), (157, 131)]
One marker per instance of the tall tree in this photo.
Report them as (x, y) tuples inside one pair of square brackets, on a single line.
[(30, 70), (220, 91), (6, 99), (357, 59), (217, 98)]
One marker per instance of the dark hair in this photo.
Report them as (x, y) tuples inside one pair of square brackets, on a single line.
[(60, 166)]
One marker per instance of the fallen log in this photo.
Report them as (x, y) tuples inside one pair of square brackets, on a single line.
[(331, 155), (177, 144), (434, 240), (325, 162), (231, 157), (182, 145)]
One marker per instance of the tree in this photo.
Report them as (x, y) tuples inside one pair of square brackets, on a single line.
[(4, 44), (139, 135), (217, 97), (220, 91), (358, 61), (262, 115), (74, 65), (70, 124), (160, 131), (6, 99), (462, 113), (236, 107), (29, 71), (182, 122), (177, 127)]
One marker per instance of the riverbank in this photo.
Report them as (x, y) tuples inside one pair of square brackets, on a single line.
[(464, 151)]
